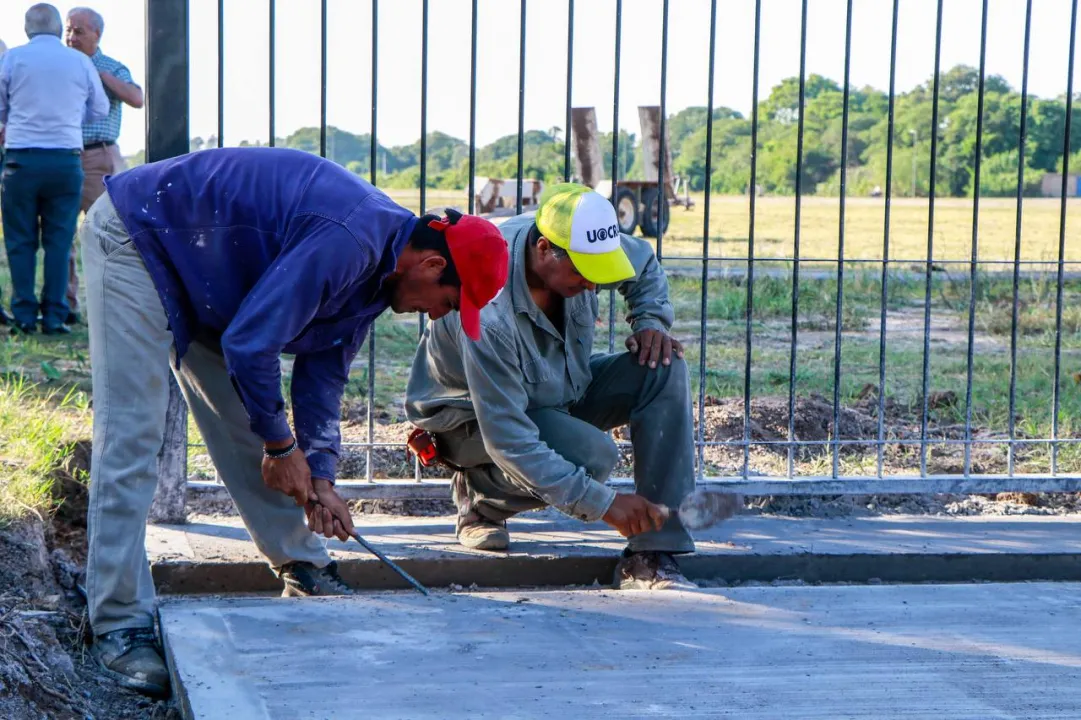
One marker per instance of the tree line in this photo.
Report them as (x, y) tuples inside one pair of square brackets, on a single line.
[(778, 126)]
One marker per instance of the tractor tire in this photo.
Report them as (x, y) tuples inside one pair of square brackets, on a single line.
[(655, 213), (626, 211)]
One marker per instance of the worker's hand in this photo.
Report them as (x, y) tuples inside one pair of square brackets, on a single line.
[(329, 515), (633, 515), (290, 475), (654, 346)]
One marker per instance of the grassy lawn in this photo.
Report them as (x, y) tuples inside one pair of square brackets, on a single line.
[(45, 382)]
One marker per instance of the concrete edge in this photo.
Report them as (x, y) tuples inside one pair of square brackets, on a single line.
[(186, 577)]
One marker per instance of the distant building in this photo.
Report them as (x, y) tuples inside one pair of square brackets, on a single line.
[(1051, 185)]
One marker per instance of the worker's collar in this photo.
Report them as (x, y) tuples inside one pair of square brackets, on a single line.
[(521, 298), (44, 37)]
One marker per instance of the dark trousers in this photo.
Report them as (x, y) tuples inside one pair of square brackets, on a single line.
[(39, 199)]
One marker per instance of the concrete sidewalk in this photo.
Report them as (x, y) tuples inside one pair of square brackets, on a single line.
[(215, 555), (926, 652)]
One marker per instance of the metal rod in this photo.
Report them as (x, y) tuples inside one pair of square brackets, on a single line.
[(973, 278), (372, 172), (1011, 455), (796, 241), (1056, 397), (473, 109), (930, 244), (662, 186), (390, 563), (323, 78), (521, 108), (841, 245), (884, 302), (750, 245), (221, 73), (704, 346), (615, 163), (271, 58), (570, 80)]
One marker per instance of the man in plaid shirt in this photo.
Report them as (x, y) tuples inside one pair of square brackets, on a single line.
[(101, 155)]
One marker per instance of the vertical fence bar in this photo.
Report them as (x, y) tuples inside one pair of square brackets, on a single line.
[(570, 80), (521, 108), (750, 246), (796, 243), (323, 78), (704, 344), (372, 172), (221, 73), (884, 302), (473, 109), (423, 157), (662, 187), (1056, 397), (271, 68), (615, 165), (1010, 450), (841, 248), (973, 275), (930, 244)]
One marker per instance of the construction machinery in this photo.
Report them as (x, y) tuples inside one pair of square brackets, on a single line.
[(639, 203)]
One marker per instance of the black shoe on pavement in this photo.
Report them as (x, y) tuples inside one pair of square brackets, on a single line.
[(302, 579), (650, 570), (133, 658)]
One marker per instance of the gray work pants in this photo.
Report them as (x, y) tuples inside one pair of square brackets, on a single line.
[(657, 406), (131, 353)]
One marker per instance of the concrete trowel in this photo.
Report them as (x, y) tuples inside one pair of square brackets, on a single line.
[(705, 508)]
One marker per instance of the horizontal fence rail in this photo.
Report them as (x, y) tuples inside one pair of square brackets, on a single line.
[(913, 427)]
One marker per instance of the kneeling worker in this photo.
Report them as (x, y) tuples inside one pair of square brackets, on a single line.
[(212, 265), (523, 412)]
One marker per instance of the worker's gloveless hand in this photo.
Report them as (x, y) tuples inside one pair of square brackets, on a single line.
[(655, 347), (633, 515), (329, 515), (290, 475)]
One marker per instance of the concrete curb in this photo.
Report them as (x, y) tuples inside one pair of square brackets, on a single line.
[(186, 577)]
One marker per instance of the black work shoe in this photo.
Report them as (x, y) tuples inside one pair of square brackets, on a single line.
[(133, 658), (302, 579), (650, 570)]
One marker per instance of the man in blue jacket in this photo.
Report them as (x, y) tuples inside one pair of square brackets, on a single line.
[(212, 265)]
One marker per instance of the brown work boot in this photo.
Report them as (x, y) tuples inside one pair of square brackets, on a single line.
[(480, 533), (650, 570), (302, 579), (132, 658)]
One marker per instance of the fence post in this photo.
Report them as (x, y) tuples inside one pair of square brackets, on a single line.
[(167, 104)]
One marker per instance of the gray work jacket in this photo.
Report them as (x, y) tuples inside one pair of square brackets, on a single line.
[(523, 363)]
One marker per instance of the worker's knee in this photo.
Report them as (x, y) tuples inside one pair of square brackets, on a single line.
[(602, 456)]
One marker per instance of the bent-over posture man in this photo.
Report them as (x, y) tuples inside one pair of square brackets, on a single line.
[(211, 265), (524, 411)]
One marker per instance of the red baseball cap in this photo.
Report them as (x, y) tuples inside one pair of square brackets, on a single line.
[(480, 257)]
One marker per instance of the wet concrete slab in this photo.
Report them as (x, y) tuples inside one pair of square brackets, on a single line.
[(963, 652), (215, 554)]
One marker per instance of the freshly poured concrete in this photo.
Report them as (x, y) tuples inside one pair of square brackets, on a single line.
[(932, 651), (216, 554)]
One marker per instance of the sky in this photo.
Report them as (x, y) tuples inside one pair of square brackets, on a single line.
[(349, 38)]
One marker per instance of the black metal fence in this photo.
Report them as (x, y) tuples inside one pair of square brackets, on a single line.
[(167, 60)]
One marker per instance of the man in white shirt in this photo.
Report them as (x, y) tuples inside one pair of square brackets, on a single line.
[(47, 91)]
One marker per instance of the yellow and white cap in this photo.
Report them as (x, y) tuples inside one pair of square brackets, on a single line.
[(584, 223)]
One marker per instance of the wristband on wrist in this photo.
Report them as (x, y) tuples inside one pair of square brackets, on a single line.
[(280, 453)]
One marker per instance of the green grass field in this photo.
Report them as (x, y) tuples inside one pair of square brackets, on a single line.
[(45, 382)]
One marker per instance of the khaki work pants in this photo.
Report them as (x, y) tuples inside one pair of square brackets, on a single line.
[(97, 163), (131, 356), (657, 406)]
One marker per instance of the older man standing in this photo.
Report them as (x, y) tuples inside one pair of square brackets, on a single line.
[(101, 155), (47, 91)]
